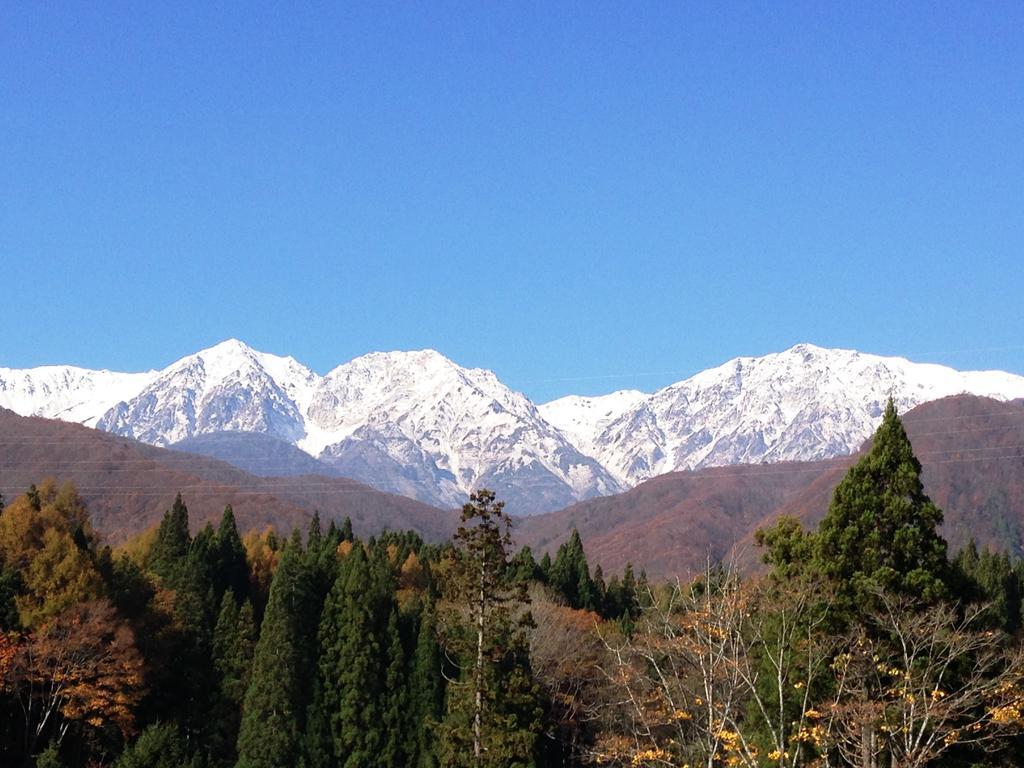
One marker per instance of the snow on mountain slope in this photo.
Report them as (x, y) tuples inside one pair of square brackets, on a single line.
[(416, 423), (802, 404), (409, 422), (454, 429), (581, 419), (67, 393), (226, 388)]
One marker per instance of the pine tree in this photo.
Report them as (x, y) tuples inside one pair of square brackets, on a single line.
[(426, 697), (172, 542), (991, 578), (545, 568), (395, 716), (600, 591), (10, 586), (195, 614), (234, 642), (564, 574), (231, 571), (273, 712), (881, 530), (524, 566), (346, 716), (570, 575), (159, 746), (493, 716), (322, 565)]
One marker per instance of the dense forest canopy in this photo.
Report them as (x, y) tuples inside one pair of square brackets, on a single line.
[(861, 644)]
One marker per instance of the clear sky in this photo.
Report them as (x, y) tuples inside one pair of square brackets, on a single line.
[(581, 197)]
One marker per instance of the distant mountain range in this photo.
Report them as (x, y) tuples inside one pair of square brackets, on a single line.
[(128, 485), (417, 424), (971, 448)]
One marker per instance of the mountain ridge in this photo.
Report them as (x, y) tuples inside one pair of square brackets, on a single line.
[(418, 424), (971, 450)]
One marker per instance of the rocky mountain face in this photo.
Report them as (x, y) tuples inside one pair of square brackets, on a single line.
[(435, 431), (803, 404), (67, 393), (417, 424), (227, 388), (971, 450), (412, 423)]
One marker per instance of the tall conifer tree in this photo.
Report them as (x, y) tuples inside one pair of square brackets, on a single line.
[(231, 571), (881, 530), (346, 718), (493, 714), (426, 696), (273, 713), (234, 641), (172, 542)]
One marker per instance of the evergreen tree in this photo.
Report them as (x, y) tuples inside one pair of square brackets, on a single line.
[(10, 587), (234, 642), (172, 543), (347, 726), (322, 565), (333, 532), (273, 712), (231, 571), (600, 592), (493, 717), (991, 578), (570, 575), (881, 530), (623, 599), (426, 698), (159, 746), (545, 568), (49, 758), (564, 573), (346, 530), (788, 548), (395, 716), (35, 501), (524, 567)]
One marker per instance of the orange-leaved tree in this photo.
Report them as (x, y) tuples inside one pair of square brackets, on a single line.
[(82, 667)]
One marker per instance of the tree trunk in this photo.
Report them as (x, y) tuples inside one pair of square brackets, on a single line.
[(478, 713)]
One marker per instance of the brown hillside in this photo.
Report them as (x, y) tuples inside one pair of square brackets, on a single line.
[(971, 449), (128, 485)]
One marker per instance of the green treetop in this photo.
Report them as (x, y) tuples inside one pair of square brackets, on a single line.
[(273, 712), (881, 530)]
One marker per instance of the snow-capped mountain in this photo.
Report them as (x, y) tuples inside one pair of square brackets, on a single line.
[(416, 423), (447, 429), (802, 404), (67, 393), (227, 388), (582, 419), (413, 423)]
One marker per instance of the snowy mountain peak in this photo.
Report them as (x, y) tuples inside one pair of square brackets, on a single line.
[(459, 427), (582, 418), (807, 402), (67, 392), (417, 423), (229, 387)]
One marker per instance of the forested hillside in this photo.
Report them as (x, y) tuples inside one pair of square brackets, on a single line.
[(866, 642), (972, 455)]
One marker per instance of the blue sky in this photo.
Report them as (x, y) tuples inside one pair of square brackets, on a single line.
[(582, 197)]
